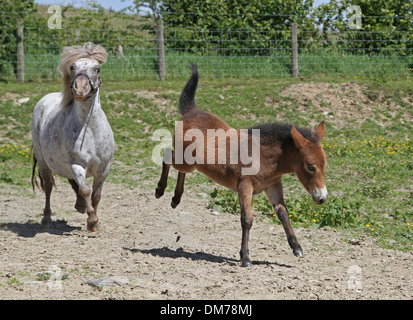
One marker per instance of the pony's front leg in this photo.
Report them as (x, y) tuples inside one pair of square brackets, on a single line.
[(80, 204), (245, 190), (79, 175), (275, 196)]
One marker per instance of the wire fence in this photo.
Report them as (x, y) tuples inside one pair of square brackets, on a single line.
[(134, 52)]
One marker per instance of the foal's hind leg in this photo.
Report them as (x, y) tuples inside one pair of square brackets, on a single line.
[(163, 181), (179, 190), (80, 204), (275, 195), (244, 197)]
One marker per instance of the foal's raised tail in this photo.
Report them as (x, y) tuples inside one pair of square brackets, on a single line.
[(187, 99)]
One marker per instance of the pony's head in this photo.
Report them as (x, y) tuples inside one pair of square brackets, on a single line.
[(80, 67), (311, 167)]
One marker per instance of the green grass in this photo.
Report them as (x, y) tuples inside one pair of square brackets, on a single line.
[(370, 165), (142, 64)]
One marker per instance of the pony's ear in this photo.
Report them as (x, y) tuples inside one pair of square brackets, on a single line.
[(320, 130), (299, 141)]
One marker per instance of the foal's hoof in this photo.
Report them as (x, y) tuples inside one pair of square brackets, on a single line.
[(46, 221), (298, 253), (174, 203), (158, 193)]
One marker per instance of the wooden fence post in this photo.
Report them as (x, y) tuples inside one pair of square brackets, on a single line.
[(294, 47), (161, 48), (20, 51)]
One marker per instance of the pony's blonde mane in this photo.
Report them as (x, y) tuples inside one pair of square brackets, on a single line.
[(71, 55)]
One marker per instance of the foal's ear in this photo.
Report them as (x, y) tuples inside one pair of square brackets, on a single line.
[(299, 140), (320, 130)]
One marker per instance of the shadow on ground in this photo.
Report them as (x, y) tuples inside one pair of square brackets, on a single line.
[(29, 229), (166, 252)]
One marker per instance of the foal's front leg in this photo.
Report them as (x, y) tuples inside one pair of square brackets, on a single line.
[(79, 175), (244, 197), (275, 195)]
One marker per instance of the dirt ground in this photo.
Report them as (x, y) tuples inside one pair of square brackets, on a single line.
[(147, 250)]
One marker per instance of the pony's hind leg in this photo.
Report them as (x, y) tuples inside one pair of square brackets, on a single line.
[(80, 204), (47, 182), (179, 190), (97, 190)]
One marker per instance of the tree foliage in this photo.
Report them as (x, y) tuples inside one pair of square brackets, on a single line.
[(386, 26), (243, 25), (10, 12)]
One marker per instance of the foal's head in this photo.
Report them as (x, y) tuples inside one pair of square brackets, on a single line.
[(80, 67), (311, 165)]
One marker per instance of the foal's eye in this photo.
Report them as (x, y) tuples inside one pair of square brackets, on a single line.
[(97, 70), (72, 68), (311, 168)]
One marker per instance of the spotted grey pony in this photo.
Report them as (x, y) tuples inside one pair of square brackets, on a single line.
[(71, 134)]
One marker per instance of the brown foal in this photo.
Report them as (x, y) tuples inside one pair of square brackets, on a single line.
[(282, 148)]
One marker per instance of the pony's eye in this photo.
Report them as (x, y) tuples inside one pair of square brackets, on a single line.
[(311, 168), (72, 68), (97, 70)]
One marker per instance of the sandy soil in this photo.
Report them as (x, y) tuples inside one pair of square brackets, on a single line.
[(147, 250)]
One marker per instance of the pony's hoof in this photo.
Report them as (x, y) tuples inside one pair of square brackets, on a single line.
[(298, 253), (80, 204), (246, 264), (80, 208), (93, 226)]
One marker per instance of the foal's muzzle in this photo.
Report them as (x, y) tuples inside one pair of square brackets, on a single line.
[(319, 195)]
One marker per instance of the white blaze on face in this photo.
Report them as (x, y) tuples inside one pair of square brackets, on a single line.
[(320, 195), (87, 67)]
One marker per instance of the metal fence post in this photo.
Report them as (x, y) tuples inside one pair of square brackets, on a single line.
[(294, 48), (161, 48), (20, 51)]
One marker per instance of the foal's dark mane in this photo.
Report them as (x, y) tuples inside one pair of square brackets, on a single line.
[(281, 131)]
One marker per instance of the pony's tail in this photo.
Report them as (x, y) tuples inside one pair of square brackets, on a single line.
[(187, 99), (34, 180)]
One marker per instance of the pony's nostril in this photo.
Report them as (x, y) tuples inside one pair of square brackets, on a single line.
[(321, 201)]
